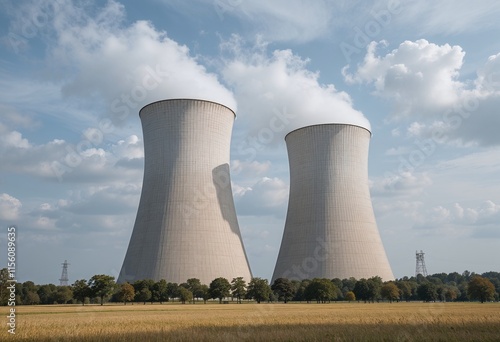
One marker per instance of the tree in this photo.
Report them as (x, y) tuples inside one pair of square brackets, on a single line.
[(4, 282), (172, 290), (101, 285), (481, 289), (404, 289), (283, 289), (160, 291), (63, 294), (219, 288), (390, 291), (81, 290), (139, 285), (185, 295), (350, 296), (204, 293), (361, 290), (194, 285), (321, 289), (258, 289), (143, 295), (301, 288), (126, 293), (374, 286), (427, 292), (238, 288)]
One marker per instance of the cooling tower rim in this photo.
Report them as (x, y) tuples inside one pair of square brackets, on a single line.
[(327, 124), (186, 99)]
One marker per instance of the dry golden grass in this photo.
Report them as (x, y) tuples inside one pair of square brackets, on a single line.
[(259, 322)]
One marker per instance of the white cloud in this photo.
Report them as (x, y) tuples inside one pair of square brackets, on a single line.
[(422, 81), (249, 168), (9, 207), (460, 220), (405, 184), (449, 17), (82, 162), (279, 20), (420, 77), (277, 93), (267, 196)]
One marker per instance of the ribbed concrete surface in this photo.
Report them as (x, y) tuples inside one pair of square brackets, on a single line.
[(330, 230), (186, 225)]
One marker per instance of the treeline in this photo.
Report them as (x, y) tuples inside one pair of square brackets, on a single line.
[(101, 288)]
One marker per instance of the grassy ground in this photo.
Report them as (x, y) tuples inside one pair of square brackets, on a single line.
[(258, 322)]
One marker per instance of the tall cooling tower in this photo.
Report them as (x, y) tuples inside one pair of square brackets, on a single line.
[(330, 230), (186, 225)]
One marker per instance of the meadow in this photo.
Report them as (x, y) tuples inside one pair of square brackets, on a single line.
[(258, 322)]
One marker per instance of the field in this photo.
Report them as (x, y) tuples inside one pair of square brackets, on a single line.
[(258, 322)]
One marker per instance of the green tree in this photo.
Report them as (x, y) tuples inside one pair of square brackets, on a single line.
[(185, 295), (172, 290), (101, 286), (194, 285), (405, 289), (301, 288), (258, 289), (126, 293), (427, 292), (204, 293), (160, 291), (219, 288), (390, 291), (374, 286), (350, 296), (284, 289), (63, 294), (362, 290), (4, 282), (143, 295), (481, 289), (81, 290), (238, 288), (321, 289)]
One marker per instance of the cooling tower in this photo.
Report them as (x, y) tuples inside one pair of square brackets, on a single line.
[(330, 230), (186, 225)]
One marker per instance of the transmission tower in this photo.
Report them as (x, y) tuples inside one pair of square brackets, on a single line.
[(64, 276), (420, 269)]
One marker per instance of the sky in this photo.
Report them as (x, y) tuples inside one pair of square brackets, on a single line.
[(423, 76)]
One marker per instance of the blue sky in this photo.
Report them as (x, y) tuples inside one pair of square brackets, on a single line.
[(425, 76)]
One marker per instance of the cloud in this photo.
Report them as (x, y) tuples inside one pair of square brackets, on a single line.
[(422, 80), (9, 207), (449, 17), (420, 77), (266, 197), (83, 162), (461, 220), (85, 44), (406, 184), (277, 93), (279, 20)]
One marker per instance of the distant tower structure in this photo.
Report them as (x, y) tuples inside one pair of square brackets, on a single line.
[(330, 230), (420, 269), (64, 276)]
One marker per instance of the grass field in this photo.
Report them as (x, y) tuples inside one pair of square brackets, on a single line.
[(258, 322)]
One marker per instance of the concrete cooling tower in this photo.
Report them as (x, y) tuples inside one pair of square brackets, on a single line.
[(186, 225), (330, 230)]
